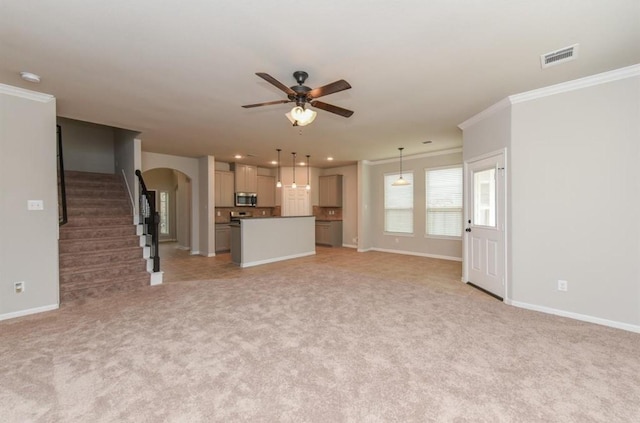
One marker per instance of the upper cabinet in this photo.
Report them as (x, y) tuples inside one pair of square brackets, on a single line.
[(224, 188), (266, 191), (246, 178), (330, 192)]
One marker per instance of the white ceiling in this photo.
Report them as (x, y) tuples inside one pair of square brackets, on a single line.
[(178, 71)]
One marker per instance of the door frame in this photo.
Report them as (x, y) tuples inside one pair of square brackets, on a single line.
[(467, 209)]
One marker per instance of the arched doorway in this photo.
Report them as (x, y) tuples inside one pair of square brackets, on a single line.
[(173, 192)]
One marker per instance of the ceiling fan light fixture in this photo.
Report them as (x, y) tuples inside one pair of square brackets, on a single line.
[(300, 116)]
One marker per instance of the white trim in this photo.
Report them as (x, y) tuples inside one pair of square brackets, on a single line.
[(272, 260), (364, 250), (416, 156), (349, 245), (29, 311), (211, 255), (156, 278), (502, 104), (28, 94), (195, 252), (412, 253), (576, 316), (577, 84)]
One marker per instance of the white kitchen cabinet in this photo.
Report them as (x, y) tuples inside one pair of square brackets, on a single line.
[(246, 178), (266, 191), (329, 232), (330, 191), (223, 237), (224, 188)]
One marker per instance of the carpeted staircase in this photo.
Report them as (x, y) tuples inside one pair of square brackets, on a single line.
[(99, 249)]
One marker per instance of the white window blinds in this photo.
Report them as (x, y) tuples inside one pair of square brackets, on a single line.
[(398, 204), (444, 201)]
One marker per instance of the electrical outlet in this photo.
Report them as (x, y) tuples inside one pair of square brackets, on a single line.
[(563, 285), (18, 287), (264, 212), (218, 213), (35, 205)]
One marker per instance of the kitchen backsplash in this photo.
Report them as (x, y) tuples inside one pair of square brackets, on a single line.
[(224, 212), (327, 213)]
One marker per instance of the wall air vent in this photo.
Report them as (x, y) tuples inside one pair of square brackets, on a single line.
[(559, 56)]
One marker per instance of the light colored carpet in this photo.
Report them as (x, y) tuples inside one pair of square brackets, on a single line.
[(355, 339)]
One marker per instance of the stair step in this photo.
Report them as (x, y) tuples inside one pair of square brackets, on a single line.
[(99, 211), (88, 192), (99, 244), (96, 231), (102, 273), (98, 221), (99, 290), (96, 258), (76, 175), (120, 202)]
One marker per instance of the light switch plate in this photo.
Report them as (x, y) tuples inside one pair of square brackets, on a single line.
[(35, 205)]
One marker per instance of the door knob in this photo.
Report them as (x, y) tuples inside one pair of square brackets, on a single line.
[(468, 230)]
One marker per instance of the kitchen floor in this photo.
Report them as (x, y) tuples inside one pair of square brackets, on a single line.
[(179, 265)]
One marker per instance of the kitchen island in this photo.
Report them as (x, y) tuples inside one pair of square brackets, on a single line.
[(257, 240)]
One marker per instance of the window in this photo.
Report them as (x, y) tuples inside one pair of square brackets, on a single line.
[(164, 212), (484, 192), (398, 204), (444, 201)]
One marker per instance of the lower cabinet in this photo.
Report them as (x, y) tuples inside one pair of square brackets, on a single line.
[(329, 233), (223, 237)]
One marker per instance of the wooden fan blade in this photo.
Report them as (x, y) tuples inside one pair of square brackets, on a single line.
[(271, 80), (331, 108), (269, 103), (334, 87)]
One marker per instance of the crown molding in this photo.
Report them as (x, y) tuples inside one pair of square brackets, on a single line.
[(576, 84), (502, 104), (416, 156), (28, 94)]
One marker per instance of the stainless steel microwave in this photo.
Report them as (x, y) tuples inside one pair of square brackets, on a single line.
[(246, 199)]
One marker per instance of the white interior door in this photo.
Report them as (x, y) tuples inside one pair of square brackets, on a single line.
[(485, 224), (295, 202)]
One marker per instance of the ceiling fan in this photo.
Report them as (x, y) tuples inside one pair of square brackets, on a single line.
[(301, 94)]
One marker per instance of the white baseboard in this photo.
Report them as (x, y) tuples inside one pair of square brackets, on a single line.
[(195, 252), (413, 253), (364, 250), (349, 245), (29, 311), (181, 247), (273, 260), (577, 316)]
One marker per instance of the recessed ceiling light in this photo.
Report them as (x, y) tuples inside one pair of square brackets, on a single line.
[(302, 164), (274, 162), (31, 77), (237, 156), (330, 158)]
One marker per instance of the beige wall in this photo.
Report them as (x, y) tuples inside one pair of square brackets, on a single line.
[(87, 147), (28, 239), (576, 201)]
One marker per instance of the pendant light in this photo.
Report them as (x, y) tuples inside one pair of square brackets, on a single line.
[(293, 185), (401, 181), (308, 171), (279, 183)]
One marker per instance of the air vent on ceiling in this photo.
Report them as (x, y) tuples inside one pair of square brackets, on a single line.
[(559, 56)]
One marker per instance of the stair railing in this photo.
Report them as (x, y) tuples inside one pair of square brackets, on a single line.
[(62, 192), (150, 220)]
